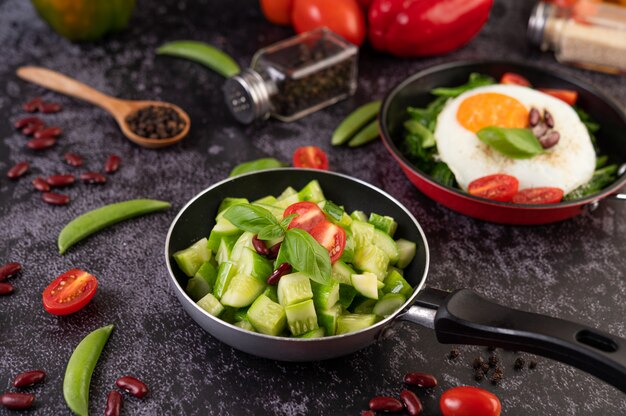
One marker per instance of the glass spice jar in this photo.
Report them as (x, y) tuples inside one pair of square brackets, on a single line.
[(584, 33), (293, 78)]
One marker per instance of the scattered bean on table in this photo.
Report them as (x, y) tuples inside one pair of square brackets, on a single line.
[(17, 401), (6, 289), (133, 386), (40, 184), (29, 378), (60, 180), (112, 164), (9, 269), (41, 144), (114, 404), (54, 198), (93, 178), (73, 159), (18, 170)]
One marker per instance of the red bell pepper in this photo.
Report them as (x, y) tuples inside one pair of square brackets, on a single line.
[(425, 27)]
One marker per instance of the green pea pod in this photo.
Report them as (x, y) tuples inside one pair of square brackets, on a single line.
[(94, 221), (355, 122), (202, 53), (369, 133), (80, 368), (254, 165)]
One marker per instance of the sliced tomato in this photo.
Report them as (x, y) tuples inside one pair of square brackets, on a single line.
[(469, 401), (310, 157), (514, 79), (543, 195), (499, 187), (331, 236), (308, 215), (69, 292), (569, 96)]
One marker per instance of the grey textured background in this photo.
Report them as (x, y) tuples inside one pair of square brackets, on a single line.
[(574, 270)]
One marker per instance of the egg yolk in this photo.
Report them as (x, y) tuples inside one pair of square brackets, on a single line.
[(491, 109)]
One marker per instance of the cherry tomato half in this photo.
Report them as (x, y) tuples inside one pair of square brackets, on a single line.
[(569, 96), (514, 79), (499, 187), (308, 215), (343, 17), (332, 237), (277, 11), (543, 195), (310, 157), (69, 292), (469, 401)]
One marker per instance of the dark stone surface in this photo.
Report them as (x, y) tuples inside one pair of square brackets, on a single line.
[(574, 270)]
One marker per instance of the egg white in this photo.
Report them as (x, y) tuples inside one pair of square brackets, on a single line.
[(567, 165)]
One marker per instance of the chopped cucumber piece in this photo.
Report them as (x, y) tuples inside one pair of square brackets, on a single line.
[(363, 233), (227, 203), (333, 211), (348, 250), (207, 272), (272, 293), (359, 216), (225, 273), (341, 272), (301, 317), (267, 317), (395, 283), (190, 259), (229, 314), (353, 322), (346, 295), (325, 296), (384, 223), (384, 242), (406, 251), (316, 333), (245, 325), (224, 249), (388, 304), (289, 191), (210, 304), (294, 288), (266, 200), (366, 284), (242, 291), (285, 202), (371, 259), (223, 228), (328, 319), (276, 211), (363, 305), (312, 192), (202, 283), (244, 241), (253, 264)]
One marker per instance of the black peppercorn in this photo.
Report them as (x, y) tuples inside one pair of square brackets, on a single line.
[(155, 122)]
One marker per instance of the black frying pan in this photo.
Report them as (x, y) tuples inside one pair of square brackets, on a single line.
[(460, 317)]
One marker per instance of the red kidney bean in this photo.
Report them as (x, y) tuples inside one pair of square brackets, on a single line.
[(32, 105), (387, 404), (53, 198), (23, 122), (260, 246), (17, 401), (273, 251), (41, 144), (53, 131), (6, 289), (282, 270), (9, 269), (550, 139), (547, 117), (18, 170), (73, 159), (93, 177), (114, 404), (420, 379), (33, 128), (533, 117), (412, 403), (40, 184), (58, 181), (112, 164), (367, 413), (29, 378), (49, 107), (133, 386), (540, 129)]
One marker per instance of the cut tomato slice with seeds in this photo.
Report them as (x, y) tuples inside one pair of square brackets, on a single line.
[(310, 157), (541, 195), (308, 215), (332, 237), (498, 187), (69, 292), (512, 78), (568, 96)]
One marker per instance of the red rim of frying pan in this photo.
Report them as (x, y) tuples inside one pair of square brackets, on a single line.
[(407, 165)]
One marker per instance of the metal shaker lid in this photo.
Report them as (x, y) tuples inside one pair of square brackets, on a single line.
[(247, 96)]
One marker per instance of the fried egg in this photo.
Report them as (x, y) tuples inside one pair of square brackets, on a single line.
[(567, 165)]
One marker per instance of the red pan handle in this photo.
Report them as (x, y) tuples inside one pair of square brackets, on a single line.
[(464, 317)]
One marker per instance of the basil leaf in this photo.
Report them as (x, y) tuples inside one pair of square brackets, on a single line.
[(251, 218), (305, 255), (254, 165), (285, 222), (270, 232), (475, 80), (514, 143)]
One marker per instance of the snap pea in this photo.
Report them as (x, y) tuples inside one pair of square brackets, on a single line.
[(80, 368), (254, 165), (369, 133), (93, 221), (202, 53), (355, 122)]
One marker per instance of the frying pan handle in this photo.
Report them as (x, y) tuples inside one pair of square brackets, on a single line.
[(464, 317)]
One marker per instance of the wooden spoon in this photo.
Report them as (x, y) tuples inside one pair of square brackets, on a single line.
[(118, 108)]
